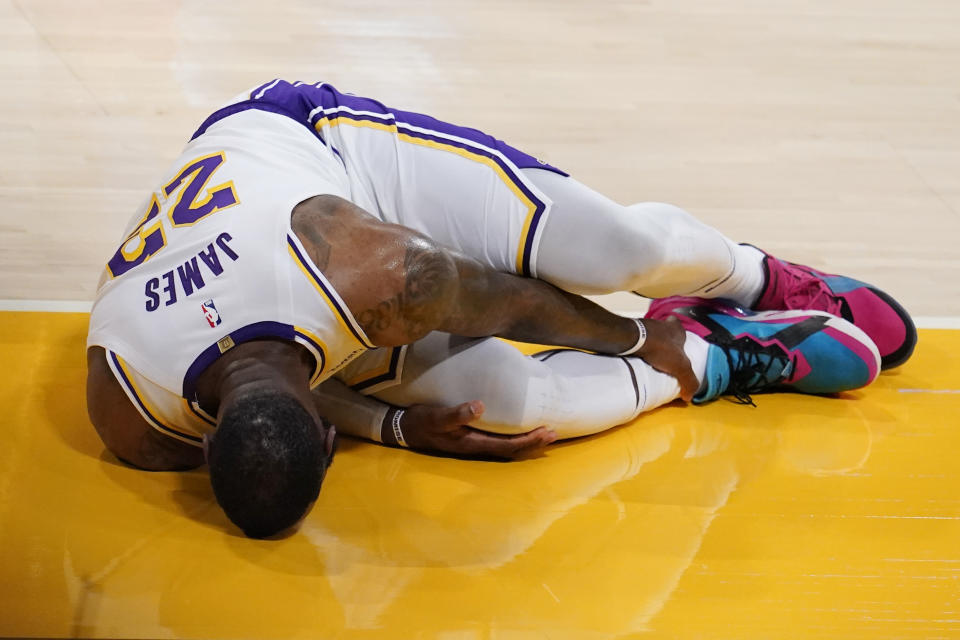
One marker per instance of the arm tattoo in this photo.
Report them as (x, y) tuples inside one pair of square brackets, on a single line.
[(318, 248), (425, 293)]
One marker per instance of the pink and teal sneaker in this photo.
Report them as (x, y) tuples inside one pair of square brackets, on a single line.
[(794, 286), (752, 352)]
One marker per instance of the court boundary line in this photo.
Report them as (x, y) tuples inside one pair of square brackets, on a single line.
[(54, 306), (83, 306)]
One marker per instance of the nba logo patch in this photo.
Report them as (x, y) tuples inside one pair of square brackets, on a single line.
[(210, 313)]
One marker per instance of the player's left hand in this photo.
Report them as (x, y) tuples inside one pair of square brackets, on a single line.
[(663, 351), (447, 430)]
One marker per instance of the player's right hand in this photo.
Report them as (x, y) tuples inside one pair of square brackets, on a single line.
[(447, 430), (664, 352)]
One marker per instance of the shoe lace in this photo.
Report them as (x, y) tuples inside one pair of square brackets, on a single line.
[(806, 291), (753, 368)]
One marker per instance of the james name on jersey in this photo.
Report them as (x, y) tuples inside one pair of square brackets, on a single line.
[(189, 274)]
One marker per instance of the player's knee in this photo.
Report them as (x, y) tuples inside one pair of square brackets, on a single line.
[(662, 221), (682, 253), (641, 245), (516, 397), (670, 235), (632, 249)]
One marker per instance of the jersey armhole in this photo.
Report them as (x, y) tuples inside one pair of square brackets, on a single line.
[(126, 378)]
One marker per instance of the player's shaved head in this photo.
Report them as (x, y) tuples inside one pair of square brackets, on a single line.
[(267, 460)]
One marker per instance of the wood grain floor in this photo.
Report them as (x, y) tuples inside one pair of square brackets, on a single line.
[(828, 132)]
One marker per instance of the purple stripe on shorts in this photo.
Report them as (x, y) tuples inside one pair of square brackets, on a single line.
[(480, 152), (539, 206), (329, 98)]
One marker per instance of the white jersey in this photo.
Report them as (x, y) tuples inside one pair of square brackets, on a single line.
[(212, 262)]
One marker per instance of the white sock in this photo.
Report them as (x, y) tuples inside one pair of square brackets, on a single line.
[(696, 349), (659, 388), (746, 283)]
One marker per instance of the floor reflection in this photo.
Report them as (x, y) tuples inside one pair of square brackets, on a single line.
[(689, 516)]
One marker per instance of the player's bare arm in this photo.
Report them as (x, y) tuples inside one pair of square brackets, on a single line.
[(124, 431), (400, 286)]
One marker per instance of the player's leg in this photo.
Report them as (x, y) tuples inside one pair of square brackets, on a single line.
[(576, 393), (476, 194), (591, 244), (572, 392)]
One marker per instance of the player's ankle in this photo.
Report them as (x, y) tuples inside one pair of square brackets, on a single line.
[(696, 349)]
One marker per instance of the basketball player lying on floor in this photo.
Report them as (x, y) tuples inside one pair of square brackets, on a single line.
[(303, 228)]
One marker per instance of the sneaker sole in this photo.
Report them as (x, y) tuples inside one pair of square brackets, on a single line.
[(903, 353)]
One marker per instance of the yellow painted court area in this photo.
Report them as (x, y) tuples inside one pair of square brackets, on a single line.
[(803, 517)]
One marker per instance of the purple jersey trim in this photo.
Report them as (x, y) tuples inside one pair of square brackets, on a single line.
[(243, 334), (391, 374), (321, 365), (330, 295), (200, 415)]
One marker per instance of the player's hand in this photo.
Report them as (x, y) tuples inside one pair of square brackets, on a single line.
[(663, 351), (446, 430)]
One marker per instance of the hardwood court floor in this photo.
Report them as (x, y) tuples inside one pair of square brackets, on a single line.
[(803, 517), (826, 131)]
